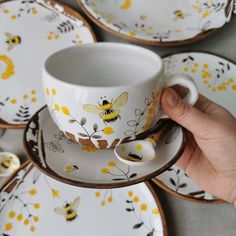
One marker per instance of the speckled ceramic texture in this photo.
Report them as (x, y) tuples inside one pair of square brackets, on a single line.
[(34, 204), (32, 30)]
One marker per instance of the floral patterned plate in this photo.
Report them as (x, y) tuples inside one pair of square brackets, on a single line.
[(158, 22), (216, 79), (34, 204), (84, 166), (23, 50)]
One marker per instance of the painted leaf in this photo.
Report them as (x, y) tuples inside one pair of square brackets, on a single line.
[(129, 201), (133, 175), (138, 112), (96, 136), (83, 135), (170, 169), (183, 185), (132, 123), (147, 101), (36, 175), (129, 209), (118, 179), (75, 167), (172, 182), (95, 127), (83, 121), (150, 233), (129, 132), (136, 226), (71, 121), (178, 171)]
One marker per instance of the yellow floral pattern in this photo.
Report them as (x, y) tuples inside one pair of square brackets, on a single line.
[(8, 66), (28, 211), (105, 196), (216, 79), (117, 173)]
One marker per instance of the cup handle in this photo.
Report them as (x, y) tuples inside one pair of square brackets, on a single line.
[(185, 81)]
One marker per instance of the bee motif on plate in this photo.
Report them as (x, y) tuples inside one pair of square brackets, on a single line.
[(134, 157), (12, 40), (6, 162), (108, 111), (69, 210), (179, 15)]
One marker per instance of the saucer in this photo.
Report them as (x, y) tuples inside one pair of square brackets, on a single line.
[(215, 77), (71, 163), (33, 204), (158, 22), (24, 50)]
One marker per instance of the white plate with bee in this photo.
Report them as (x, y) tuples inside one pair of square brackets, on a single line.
[(158, 22), (215, 78), (34, 204), (67, 161), (24, 49)]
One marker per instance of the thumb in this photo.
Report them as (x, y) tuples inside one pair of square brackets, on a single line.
[(184, 114)]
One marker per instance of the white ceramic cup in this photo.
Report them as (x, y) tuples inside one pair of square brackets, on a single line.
[(104, 93)]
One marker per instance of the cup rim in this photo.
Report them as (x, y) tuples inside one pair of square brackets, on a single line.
[(106, 44)]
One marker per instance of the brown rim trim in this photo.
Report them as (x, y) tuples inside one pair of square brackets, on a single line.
[(197, 38), (70, 11), (160, 208), (148, 185), (160, 183), (54, 175), (12, 176)]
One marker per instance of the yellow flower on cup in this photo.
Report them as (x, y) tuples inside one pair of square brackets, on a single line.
[(65, 110), (105, 170), (55, 193), (108, 130), (112, 164)]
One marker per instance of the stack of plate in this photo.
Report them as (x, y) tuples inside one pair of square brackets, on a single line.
[(78, 186)]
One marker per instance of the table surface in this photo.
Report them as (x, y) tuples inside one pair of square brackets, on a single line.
[(184, 218)]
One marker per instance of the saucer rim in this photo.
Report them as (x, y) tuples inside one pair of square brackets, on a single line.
[(65, 180), (160, 183), (148, 184), (69, 10), (196, 38)]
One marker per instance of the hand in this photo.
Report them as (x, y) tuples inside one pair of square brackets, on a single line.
[(210, 155)]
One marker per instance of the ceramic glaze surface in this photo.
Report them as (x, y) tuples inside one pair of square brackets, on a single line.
[(215, 78), (98, 102), (34, 204), (24, 49), (86, 166), (157, 20)]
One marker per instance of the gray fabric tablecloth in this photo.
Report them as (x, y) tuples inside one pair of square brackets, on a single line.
[(183, 218)]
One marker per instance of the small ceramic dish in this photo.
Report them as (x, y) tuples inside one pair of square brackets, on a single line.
[(24, 50), (65, 160), (9, 162), (33, 204), (161, 23), (215, 77)]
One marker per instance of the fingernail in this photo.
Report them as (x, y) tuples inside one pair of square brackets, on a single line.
[(172, 97)]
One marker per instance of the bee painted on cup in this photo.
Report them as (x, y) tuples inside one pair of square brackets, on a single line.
[(108, 111), (69, 210), (12, 41), (179, 15), (134, 157)]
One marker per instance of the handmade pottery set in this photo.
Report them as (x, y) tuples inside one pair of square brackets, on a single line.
[(103, 131)]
